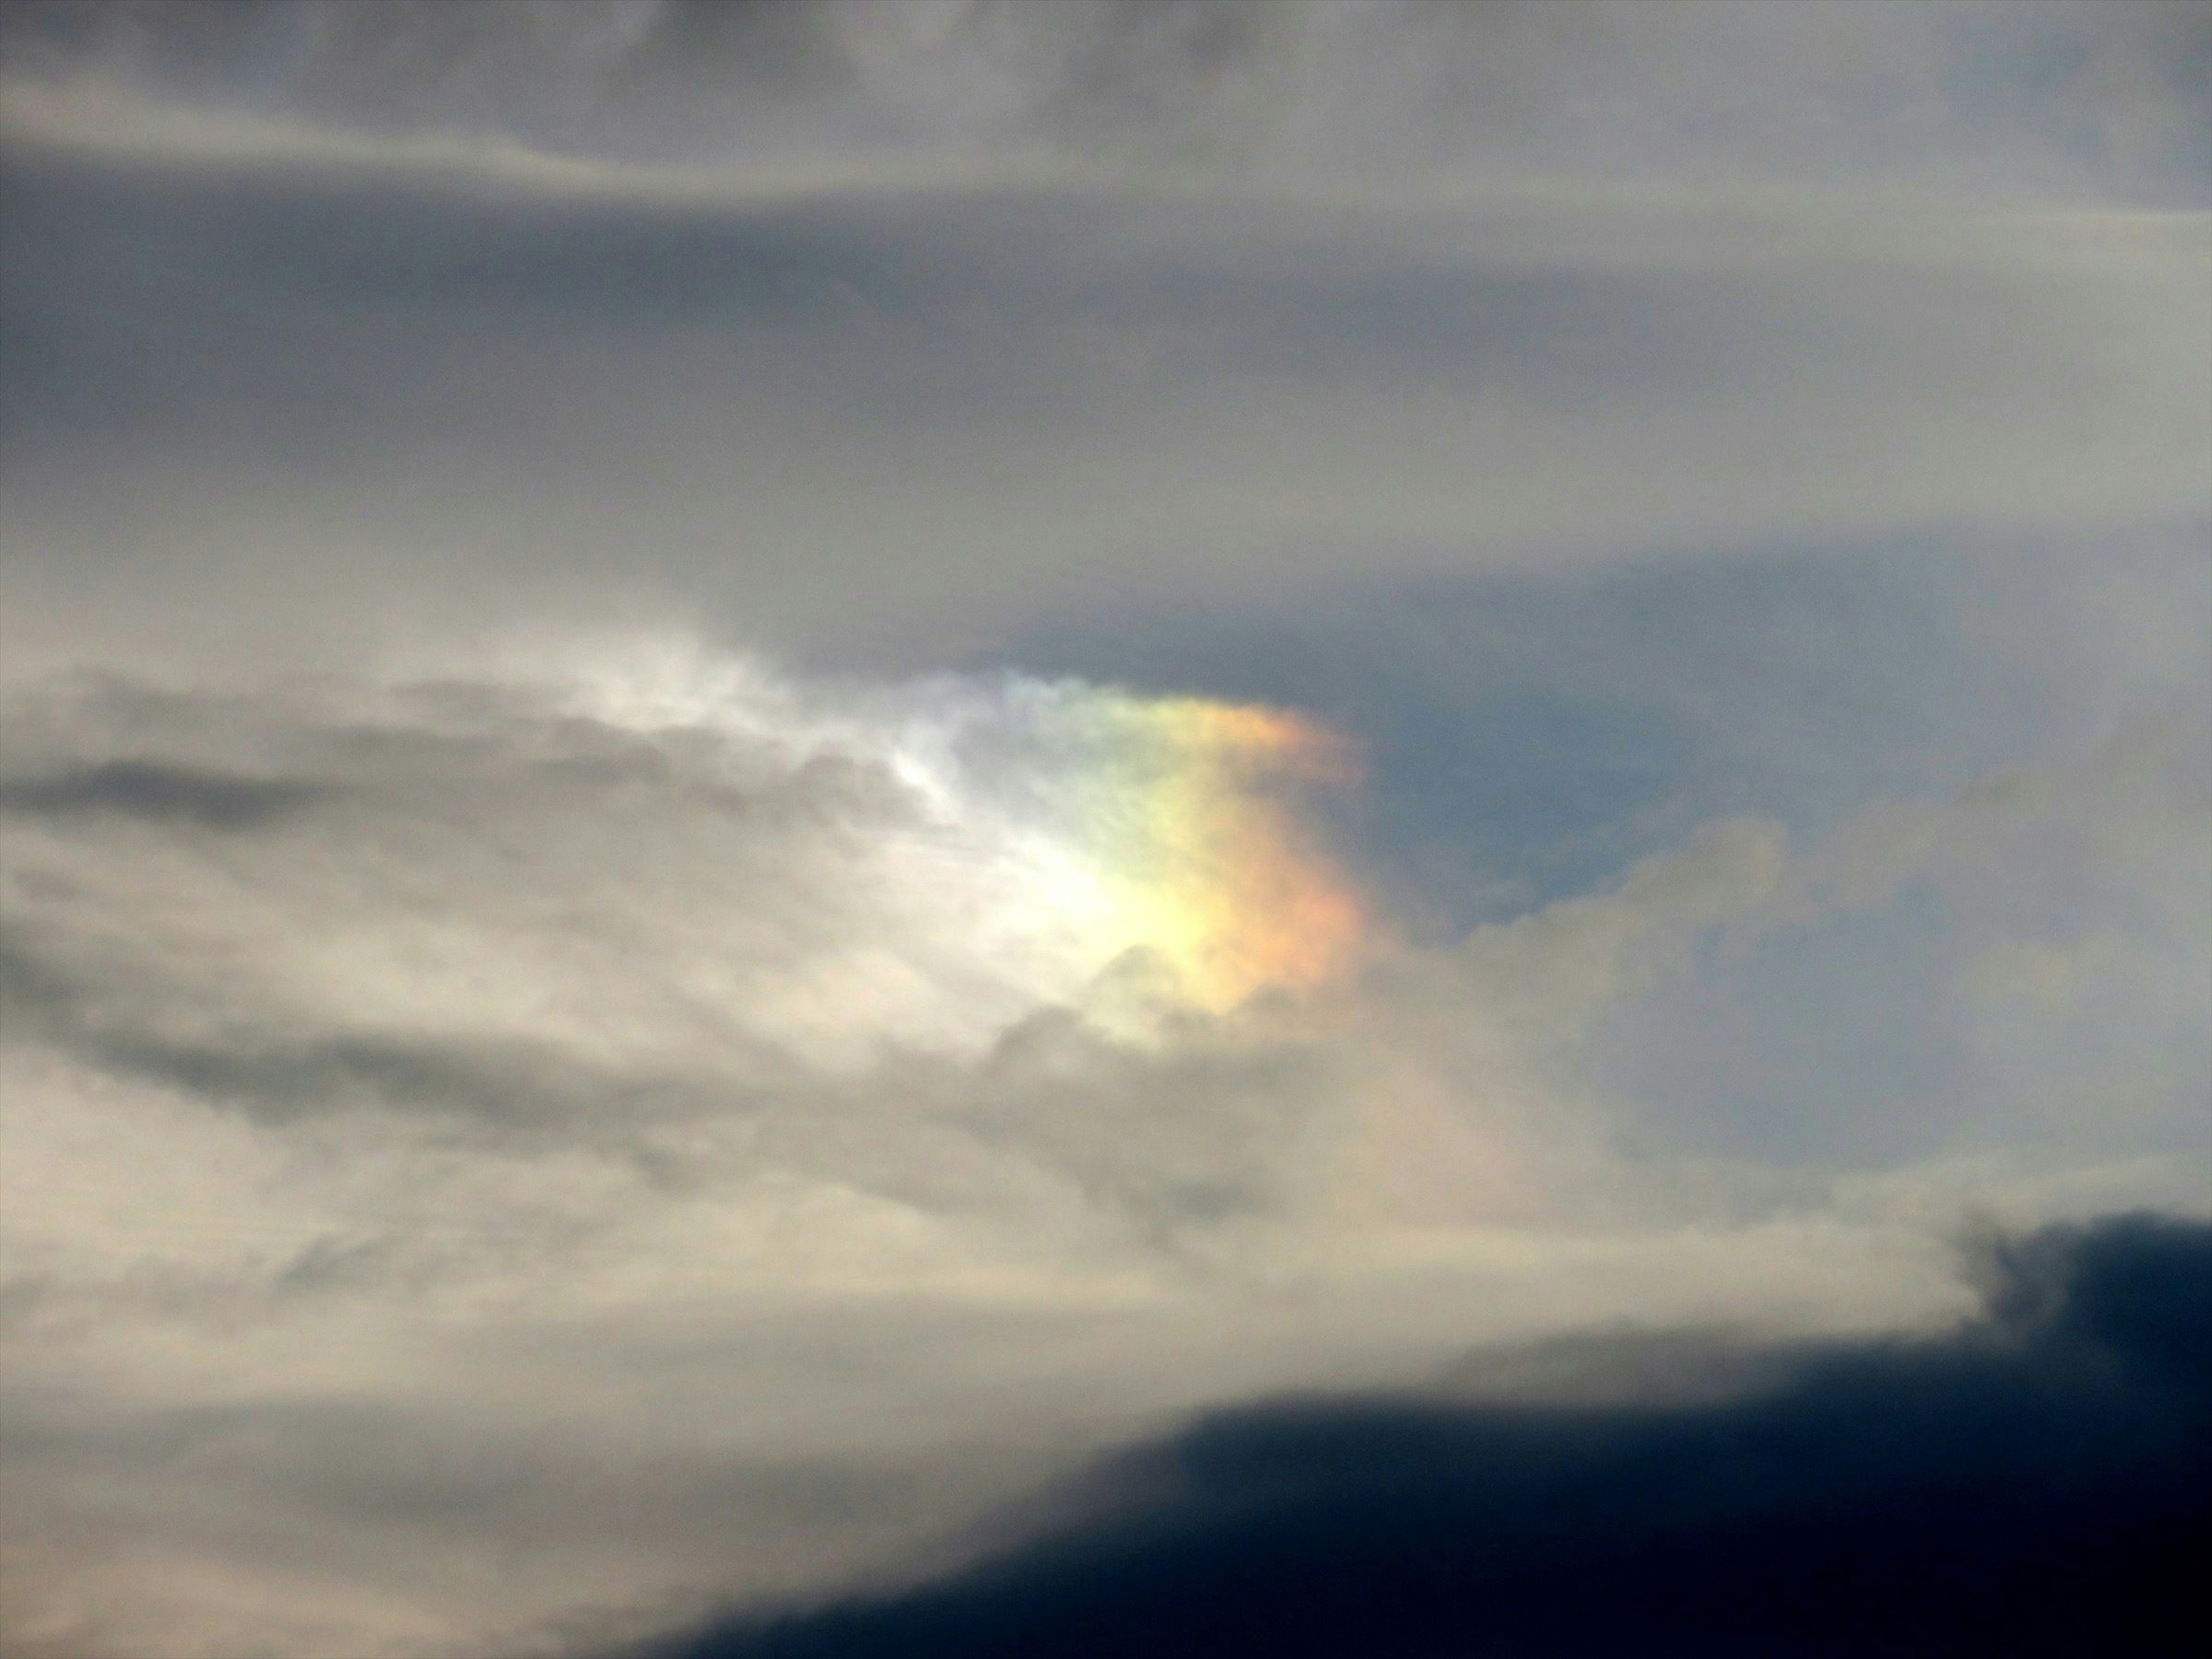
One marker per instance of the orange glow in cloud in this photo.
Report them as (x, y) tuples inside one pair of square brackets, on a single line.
[(1203, 857)]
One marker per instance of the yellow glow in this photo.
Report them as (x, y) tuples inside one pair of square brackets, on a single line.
[(1203, 858)]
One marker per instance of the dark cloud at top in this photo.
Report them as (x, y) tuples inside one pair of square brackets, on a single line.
[(2038, 1483), (885, 331), (2053, 93)]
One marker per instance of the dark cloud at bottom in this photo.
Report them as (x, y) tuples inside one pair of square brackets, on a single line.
[(2038, 1483)]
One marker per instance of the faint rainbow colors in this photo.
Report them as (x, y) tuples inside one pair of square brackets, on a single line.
[(1191, 815), (1059, 829)]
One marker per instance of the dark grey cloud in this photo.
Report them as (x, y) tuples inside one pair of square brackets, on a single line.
[(157, 791), (506, 1092), (2037, 1483), (522, 1094)]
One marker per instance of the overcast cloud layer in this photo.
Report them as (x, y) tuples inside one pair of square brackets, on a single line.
[(647, 651)]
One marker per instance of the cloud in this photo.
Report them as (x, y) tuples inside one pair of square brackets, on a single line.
[(2037, 1482), (2058, 96), (626, 1022), (764, 769), (905, 404), (148, 789), (638, 1071)]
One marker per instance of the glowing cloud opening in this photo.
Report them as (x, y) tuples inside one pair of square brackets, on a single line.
[(1187, 811)]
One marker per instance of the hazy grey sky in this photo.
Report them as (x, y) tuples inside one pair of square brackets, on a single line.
[(762, 765)]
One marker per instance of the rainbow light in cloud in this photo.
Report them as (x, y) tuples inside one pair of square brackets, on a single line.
[(1182, 814), (1062, 826)]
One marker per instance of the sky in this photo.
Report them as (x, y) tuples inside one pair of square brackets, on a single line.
[(845, 827)]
